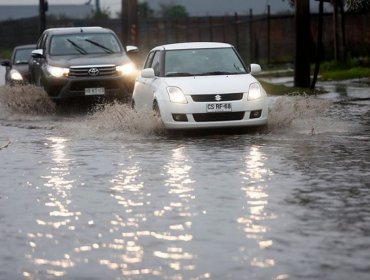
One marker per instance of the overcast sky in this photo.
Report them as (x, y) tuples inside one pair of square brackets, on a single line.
[(114, 6)]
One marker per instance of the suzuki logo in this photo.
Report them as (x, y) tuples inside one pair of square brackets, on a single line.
[(218, 97), (93, 71)]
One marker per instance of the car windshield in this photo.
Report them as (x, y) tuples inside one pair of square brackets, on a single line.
[(22, 56), (84, 43), (202, 62)]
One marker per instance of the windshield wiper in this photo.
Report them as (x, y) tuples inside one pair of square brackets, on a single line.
[(216, 73), (107, 50), (77, 47), (179, 74)]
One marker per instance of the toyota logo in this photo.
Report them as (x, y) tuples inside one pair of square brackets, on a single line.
[(218, 97), (93, 71)]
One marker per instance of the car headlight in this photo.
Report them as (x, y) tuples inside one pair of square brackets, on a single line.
[(254, 92), (57, 72), (15, 75), (176, 95), (128, 69)]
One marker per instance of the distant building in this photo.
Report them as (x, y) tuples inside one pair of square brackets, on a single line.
[(13, 12)]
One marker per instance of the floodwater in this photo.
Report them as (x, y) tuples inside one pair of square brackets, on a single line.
[(108, 194)]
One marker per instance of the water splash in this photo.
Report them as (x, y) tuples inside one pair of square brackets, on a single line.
[(286, 111), (31, 103), (117, 118), (29, 100)]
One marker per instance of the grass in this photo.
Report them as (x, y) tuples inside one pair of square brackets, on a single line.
[(355, 68), (279, 89), (5, 53), (345, 74), (329, 70)]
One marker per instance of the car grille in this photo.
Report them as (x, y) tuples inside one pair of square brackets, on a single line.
[(217, 97), (218, 117), (83, 71), (81, 85)]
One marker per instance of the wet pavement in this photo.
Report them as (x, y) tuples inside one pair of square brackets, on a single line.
[(108, 194)]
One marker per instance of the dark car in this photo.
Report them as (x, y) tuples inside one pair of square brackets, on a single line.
[(17, 67), (81, 62)]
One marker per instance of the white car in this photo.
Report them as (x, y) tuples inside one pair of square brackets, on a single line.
[(200, 85)]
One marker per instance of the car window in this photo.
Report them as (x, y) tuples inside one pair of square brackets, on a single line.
[(155, 63), (41, 42), (22, 56), (149, 60), (84, 43), (194, 62)]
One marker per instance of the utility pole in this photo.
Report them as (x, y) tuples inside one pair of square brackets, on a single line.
[(97, 6), (303, 43), (129, 21), (43, 7)]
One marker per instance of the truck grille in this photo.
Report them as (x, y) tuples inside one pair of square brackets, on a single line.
[(93, 71)]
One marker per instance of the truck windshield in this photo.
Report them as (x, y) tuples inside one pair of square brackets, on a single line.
[(84, 43)]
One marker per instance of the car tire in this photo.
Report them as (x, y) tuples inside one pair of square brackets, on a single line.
[(156, 108)]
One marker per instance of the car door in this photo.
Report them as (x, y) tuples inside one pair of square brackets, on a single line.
[(146, 87), (36, 62)]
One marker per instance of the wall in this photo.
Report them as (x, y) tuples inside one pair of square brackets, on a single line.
[(248, 34)]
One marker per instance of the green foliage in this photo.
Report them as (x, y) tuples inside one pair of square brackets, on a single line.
[(358, 5), (350, 69), (101, 14), (279, 89), (144, 10), (173, 11), (5, 53)]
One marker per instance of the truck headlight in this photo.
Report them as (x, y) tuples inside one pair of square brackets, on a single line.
[(57, 72), (15, 75), (128, 69), (254, 92), (176, 95)]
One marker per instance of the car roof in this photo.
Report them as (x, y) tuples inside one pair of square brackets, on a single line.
[(192, 45), (29, 46), (71, 30)]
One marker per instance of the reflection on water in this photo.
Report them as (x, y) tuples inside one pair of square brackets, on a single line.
[(255, 178), (180, 188), (60, 216)]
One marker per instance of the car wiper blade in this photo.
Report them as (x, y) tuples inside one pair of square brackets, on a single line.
[(179, 74), (77, 47), (216, 73), (107, 50)]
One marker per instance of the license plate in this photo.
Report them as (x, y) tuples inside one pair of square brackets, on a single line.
[(219, 107), (94, 91)]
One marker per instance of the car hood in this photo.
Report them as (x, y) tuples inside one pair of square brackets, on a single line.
[(212, 84), (90, 59)]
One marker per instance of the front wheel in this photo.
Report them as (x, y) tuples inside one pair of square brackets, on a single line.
[(156, 108)]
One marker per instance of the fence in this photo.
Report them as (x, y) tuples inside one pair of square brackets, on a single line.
[(262, 39)]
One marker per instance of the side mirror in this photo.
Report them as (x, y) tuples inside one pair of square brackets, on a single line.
[(148, 73), (132, 49), (5, 63), (37, 53), (255, 68)]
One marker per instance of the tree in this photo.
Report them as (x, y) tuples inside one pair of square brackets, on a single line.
[(173, 11), (101, 13), (358, 5), (144, 10)]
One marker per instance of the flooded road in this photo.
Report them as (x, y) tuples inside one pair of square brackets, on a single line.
[(110, 195)]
